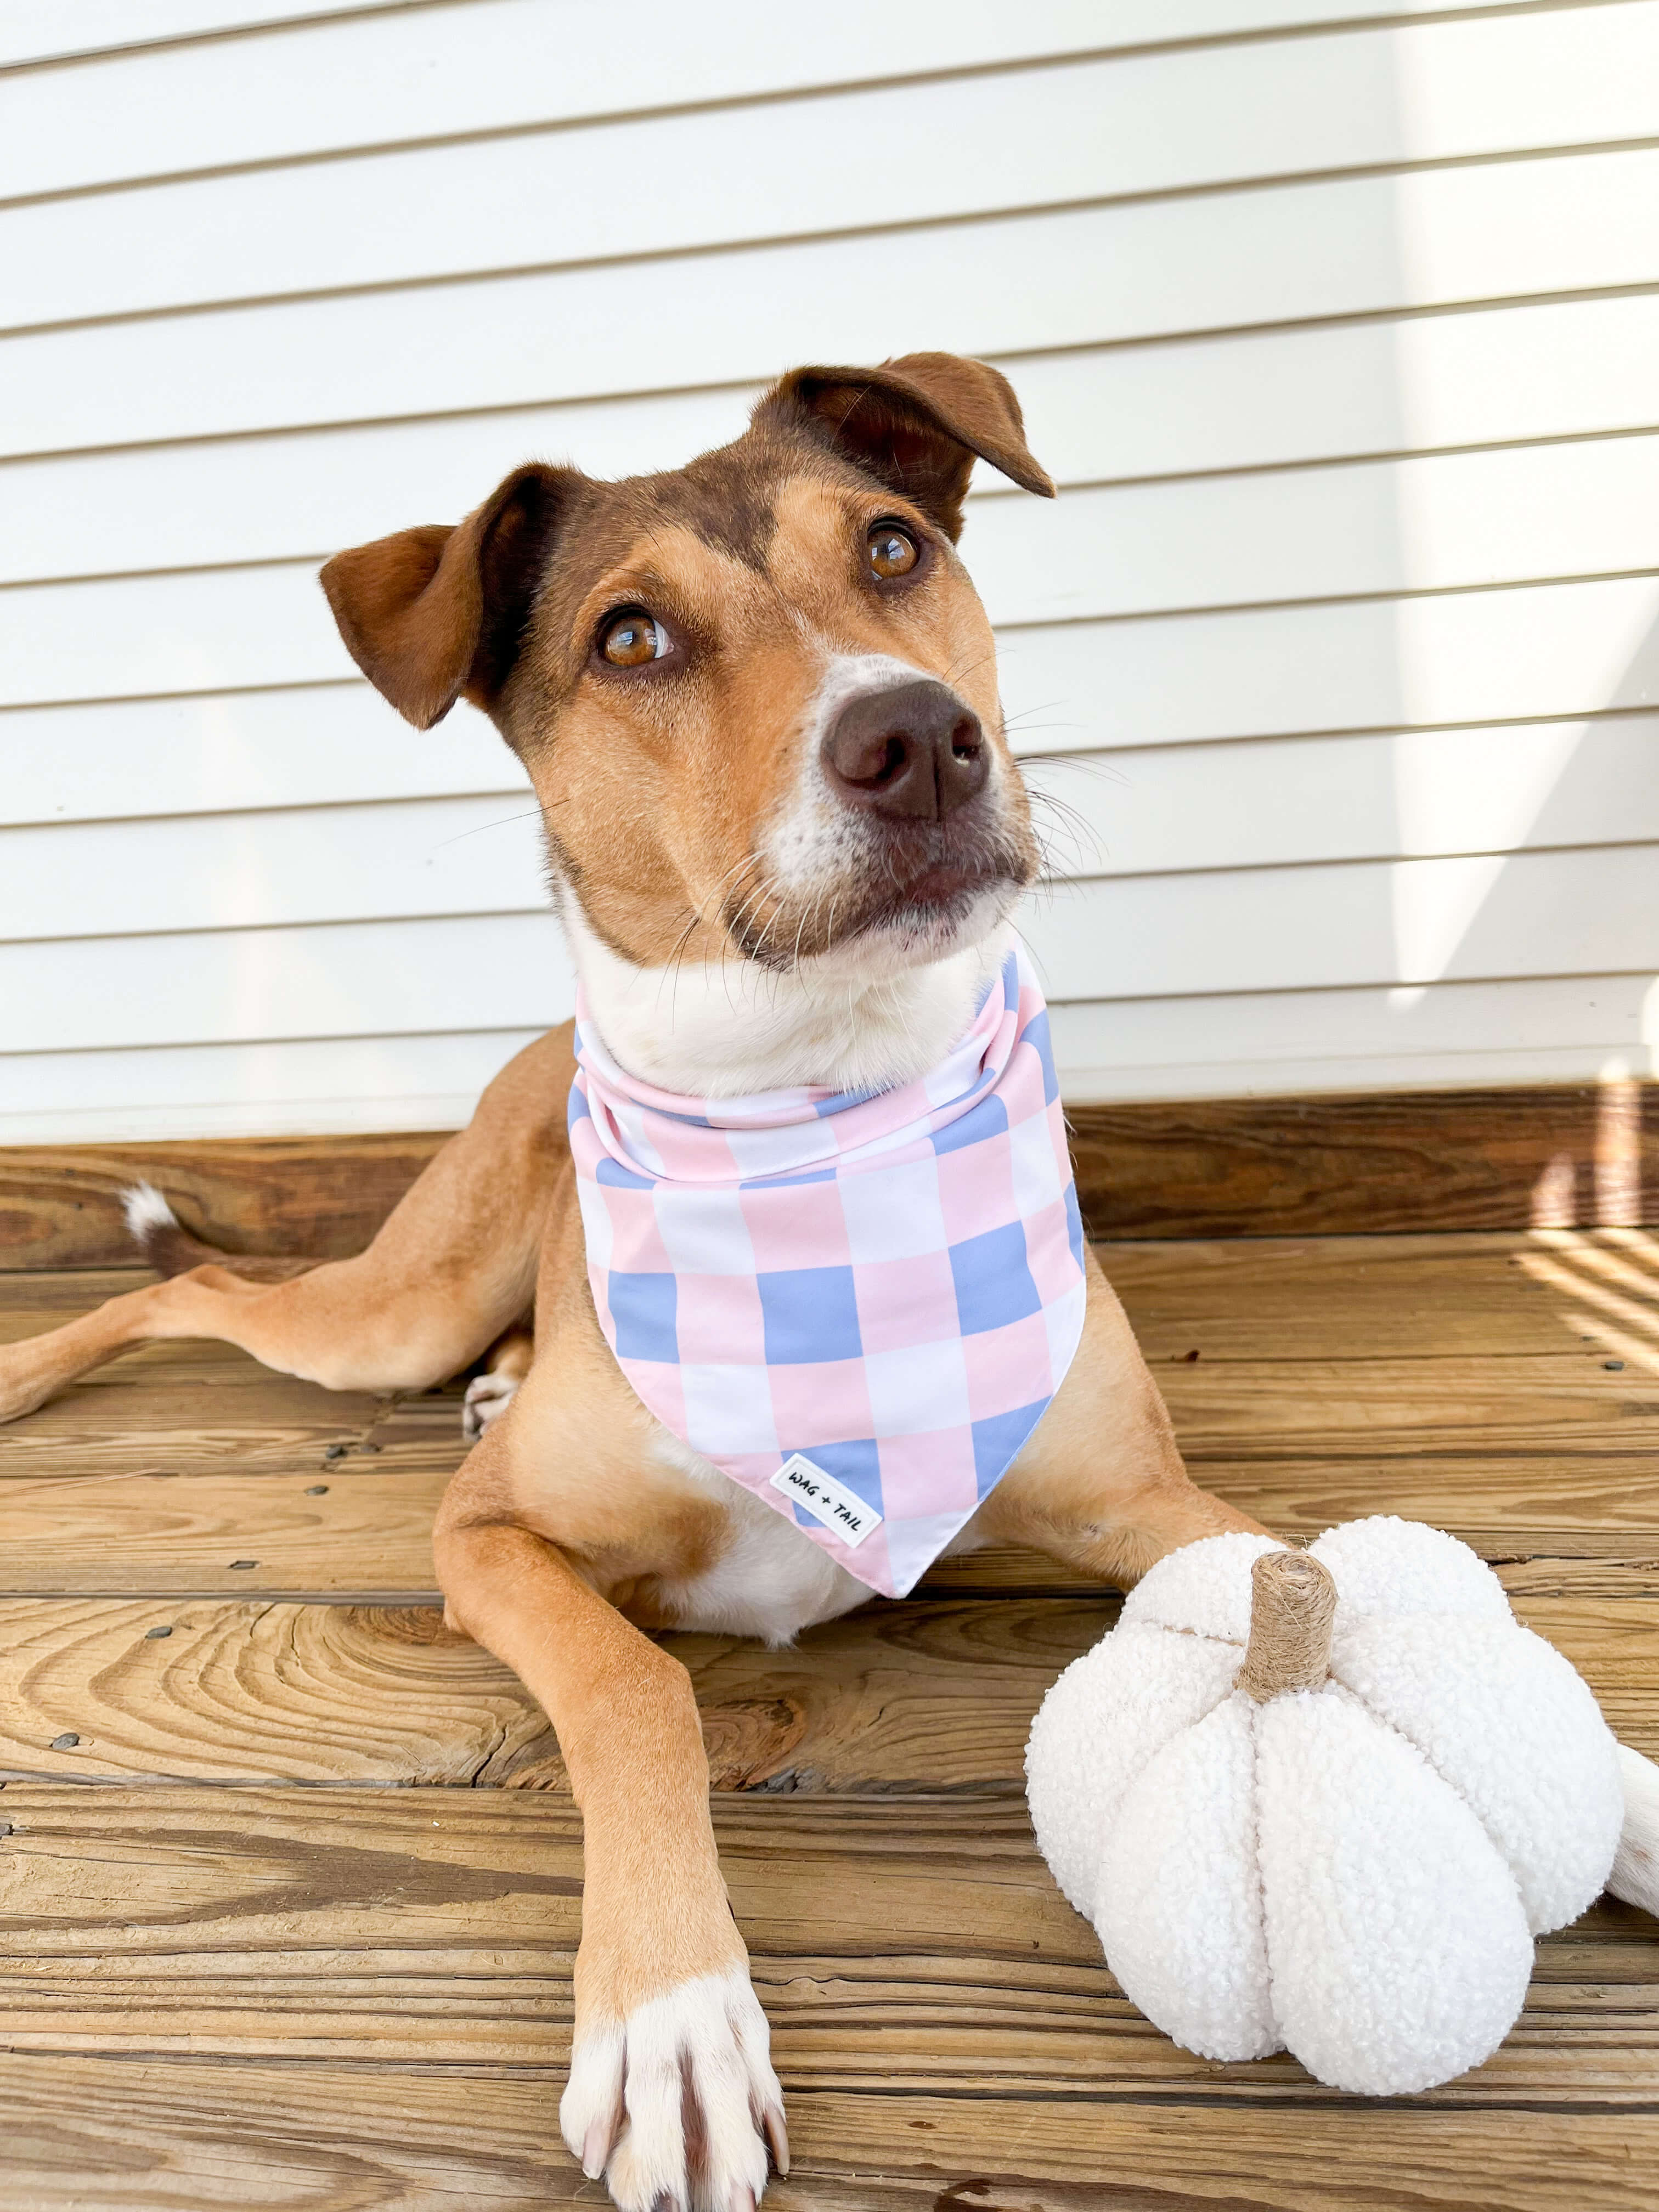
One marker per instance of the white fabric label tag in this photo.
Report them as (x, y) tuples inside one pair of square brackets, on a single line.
[(826, 1499)]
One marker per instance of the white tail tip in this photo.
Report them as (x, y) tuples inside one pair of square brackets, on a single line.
[(147, 1210), (1635, 1876)]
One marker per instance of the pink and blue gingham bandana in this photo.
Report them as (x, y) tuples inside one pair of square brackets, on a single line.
[(858, 1304)]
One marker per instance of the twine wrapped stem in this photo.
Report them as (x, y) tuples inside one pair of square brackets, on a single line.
[(1292, 1608)]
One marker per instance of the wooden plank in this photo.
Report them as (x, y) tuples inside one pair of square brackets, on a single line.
[(324, 87), (326, 1693), (1516, 515), (919, 1696), (227, 1923), (312, 1695), (367, 1532), (1341, 1297), (99, 2135), (152, 1423), (107, 2135), (1267, 1297), (62, 1209), (1136, 270), (1590, 1563), (1417, 1160), (1376, 1410), (1198, 118), (1265, 1168), (290, 1521)]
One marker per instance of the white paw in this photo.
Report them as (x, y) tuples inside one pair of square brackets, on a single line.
[(676, 2104), (488, 1397)]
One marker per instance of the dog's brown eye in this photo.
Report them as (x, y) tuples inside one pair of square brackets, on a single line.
[(628, 641), (892, 551)]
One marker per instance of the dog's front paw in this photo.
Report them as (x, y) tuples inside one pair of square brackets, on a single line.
[(677, 2103)]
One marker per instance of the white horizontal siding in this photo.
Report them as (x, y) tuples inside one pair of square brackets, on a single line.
[(285, 1087), (255, 985), (1443, 523), (1075, 130), (1343, 639), (509, 64), (1529, 1032), (1500, 376), (1421, 795), (1397, 925), (221, 753), (32, 32), (1540, 1030), (1555, 652), (1371, 244)]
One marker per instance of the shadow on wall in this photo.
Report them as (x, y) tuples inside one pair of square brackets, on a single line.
[(1543, 790)]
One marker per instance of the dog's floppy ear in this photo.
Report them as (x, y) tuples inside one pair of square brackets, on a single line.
[(916, 423), (434, 615)]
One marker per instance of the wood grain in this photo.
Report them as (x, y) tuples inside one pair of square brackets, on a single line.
[(1413, 1295), (1441, 1378), (60, 1206), (894, 1697), (414, 1927), (1402, 1162), (365, 1530), (349, 1987), (1433, 1160), (932, 1695), (1494, 1293), (162, 1531), (104, 2134)]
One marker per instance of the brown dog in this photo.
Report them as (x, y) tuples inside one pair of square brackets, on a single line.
[(758, 699)]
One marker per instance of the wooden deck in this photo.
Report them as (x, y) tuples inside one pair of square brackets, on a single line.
[(320, 1958)]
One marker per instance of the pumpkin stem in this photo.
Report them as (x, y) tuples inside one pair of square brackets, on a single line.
[(1292, 1609)]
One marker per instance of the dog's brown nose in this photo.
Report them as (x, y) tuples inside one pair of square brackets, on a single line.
[(915, 750)]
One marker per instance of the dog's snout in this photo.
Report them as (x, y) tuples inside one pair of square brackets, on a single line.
[(913, 751)]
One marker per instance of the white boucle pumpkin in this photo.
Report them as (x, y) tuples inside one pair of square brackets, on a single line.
[(1342, 1840)]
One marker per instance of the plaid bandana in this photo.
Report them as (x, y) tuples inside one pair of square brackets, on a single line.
[(858, 1304)]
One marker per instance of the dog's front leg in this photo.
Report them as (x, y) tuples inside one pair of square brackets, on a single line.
[(672, 2093)]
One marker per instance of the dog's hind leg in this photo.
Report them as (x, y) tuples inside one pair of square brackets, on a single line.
[(452, 1268)]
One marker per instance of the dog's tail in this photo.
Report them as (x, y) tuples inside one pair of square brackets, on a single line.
[(171, 1249)]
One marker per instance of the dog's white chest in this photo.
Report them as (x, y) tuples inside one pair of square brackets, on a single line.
[(771, 1581)]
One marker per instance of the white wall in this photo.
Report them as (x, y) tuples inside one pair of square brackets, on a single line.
[(1340, 334)]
